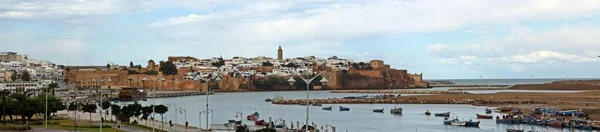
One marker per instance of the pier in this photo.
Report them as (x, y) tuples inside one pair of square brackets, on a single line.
[(400, 91)]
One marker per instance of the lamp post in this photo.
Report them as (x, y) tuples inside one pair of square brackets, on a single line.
[(46, 113), (217, 77), (154, 100), (307, 81), (162, 82), (180, 111)]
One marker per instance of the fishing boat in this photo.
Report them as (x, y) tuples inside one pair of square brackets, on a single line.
[(505, 109), (317, 104), (261, 123), (447, 114), (342, 108), (555, 123), (303, 104), (514, 130), (427, 112), (484, 116), (471, 123), (397, 110), (253, 117), (488, 110), (505, 121), (268, 100), (378, 110), (537, 122), (449, 122), (327, 108), (459, 123)]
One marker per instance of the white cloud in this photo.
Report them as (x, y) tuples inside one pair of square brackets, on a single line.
[(435, 48), (15, 15), (182, 20)]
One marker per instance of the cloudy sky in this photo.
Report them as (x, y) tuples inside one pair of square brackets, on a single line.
[(442, 39)]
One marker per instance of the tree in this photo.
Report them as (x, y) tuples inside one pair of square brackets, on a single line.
[(131, 65), (136, 109), (115, 110), (90, 108), (25, 76), (168, 68), (13, 77), (105, 106), (267, 64), (3, 94), (52, 87), (54, 105), (146, 111), (126, 112), (23, 105), (219, 63), (108, 66), (161, 109)]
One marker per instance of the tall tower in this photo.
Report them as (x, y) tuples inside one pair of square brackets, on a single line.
[(280, 53)]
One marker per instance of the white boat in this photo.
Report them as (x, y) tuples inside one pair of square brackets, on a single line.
[(459, 123)]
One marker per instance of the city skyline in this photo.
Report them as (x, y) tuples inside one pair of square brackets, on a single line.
[(443, 40)]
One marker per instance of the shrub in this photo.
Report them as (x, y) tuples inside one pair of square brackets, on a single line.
[(15, 128)]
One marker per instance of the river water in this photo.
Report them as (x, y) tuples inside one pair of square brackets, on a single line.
[(360, 118)]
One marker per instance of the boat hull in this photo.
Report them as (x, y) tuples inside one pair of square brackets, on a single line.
[(472, 124), (344, 108), (327, 108), (448, 122), (447, 114), (484, 116), (378, 110)]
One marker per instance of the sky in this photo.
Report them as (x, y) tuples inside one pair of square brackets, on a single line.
[(457, 39)]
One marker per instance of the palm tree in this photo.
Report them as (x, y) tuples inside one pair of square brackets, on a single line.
[(23, 106), (51, 87), (4, 93)]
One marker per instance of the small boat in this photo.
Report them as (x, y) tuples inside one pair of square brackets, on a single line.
[(378, 110), (344, 108), (317, 104), (537, 122), (557, 124), (488, 110), (230, 121), (505, 109), (303, 104), (449, 122), (472, 123), (459, 123), (447, 114), (327, 108), (514, 130), (427, 112), (396, 110), (253, 117), (484, 116), (261, 123), (268, 100)]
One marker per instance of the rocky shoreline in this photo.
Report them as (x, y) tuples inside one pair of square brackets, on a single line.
[(400, 91), (480, 88)]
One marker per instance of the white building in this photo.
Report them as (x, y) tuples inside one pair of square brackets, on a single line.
[(20, 86)]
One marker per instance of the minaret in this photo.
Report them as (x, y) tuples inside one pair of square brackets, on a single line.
[(280, 53)]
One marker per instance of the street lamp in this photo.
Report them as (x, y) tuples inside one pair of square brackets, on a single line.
[(217, 77), (307, 81)]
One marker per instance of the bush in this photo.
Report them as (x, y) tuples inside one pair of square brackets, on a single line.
[(15, 128)]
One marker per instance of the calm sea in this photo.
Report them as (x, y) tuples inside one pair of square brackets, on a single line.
[(359, 119), (510, 81)]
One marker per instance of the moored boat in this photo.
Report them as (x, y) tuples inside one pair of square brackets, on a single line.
[(378, 110), (268, 100), (484, 116), (317, 104), (327, 108), (459, 123), (472, 123), (427, 112), (555, 123), (505, 109), (514, 130), (447, 114), (342, 108), (397, 110), (253, 117), (448, 122), (488, 110)]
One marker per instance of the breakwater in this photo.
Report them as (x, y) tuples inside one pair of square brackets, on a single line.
[(400, 91), (167, 94), (467, 85), (479, 88), (405, 100)]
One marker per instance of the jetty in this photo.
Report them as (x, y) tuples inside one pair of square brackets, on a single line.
[(480, 88), (167, 94), (400, 91)]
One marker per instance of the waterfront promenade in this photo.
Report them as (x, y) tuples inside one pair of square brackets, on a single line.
[(151, 123)]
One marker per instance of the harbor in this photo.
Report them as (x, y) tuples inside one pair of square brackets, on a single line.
[(400, 91)]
